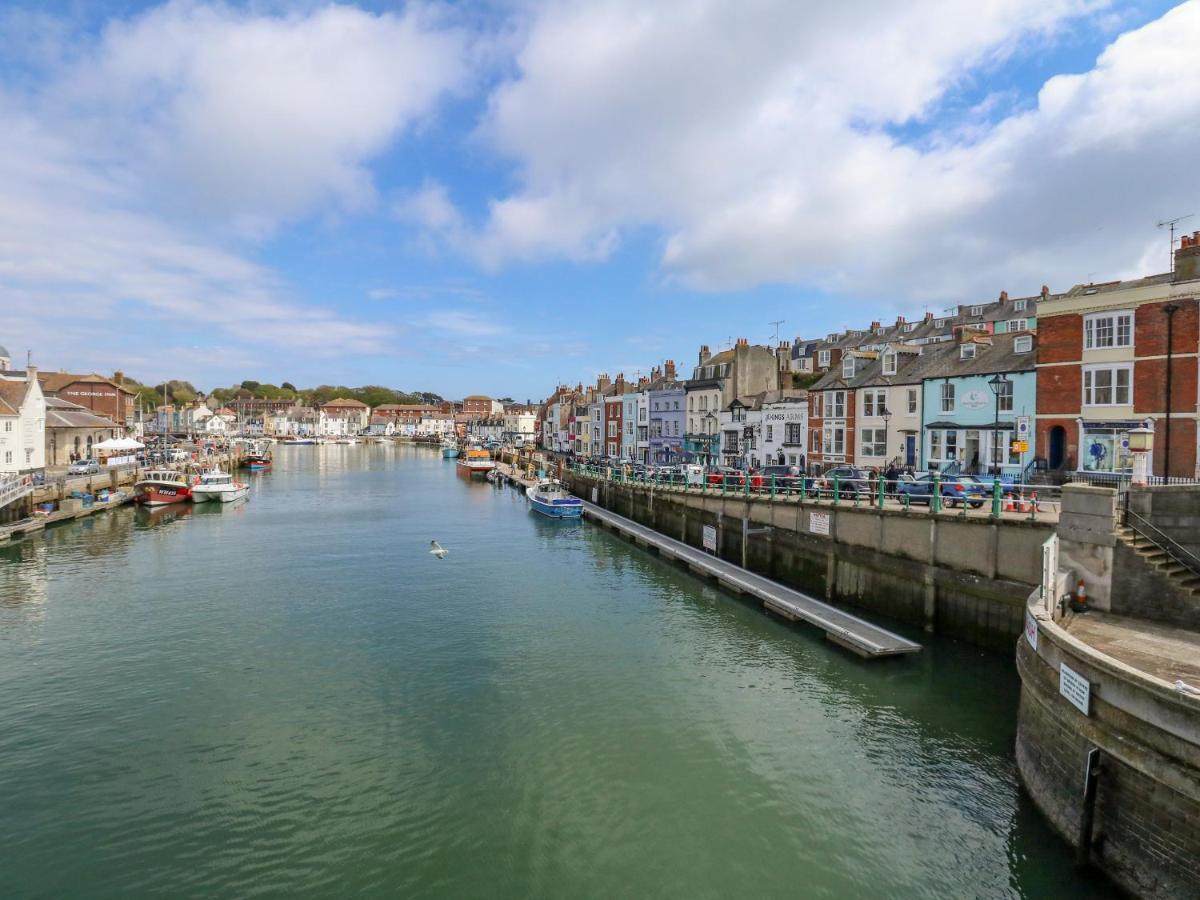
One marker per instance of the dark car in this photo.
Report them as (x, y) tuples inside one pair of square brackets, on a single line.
[(850, 480), (783, 478), (955, 489)]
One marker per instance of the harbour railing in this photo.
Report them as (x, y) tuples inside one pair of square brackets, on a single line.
[(990, 498), (14, 487)]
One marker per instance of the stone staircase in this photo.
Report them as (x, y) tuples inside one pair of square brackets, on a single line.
[(1159, 560)]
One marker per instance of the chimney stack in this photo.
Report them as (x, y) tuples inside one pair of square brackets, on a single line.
[(899, 321), (874, 326), (1003, 296), (1045, 292), (1187, 258), (669, 369), (742, 342), (928, 317), (703, 354)]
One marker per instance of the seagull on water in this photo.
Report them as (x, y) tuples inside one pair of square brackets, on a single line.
[(438, 550)]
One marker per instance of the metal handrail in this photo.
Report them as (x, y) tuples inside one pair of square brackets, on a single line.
[(1160, 539)]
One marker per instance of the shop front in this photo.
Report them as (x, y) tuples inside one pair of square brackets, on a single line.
[(1104, 446)]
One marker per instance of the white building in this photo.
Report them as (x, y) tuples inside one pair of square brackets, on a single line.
[(22, 419), (887, 403), (783, 422), (435, 425), (520, 425)]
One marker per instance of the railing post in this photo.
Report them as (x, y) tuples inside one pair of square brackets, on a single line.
[(837, 489), (996, 497), (772, 487), (882, 486), (935, 498)]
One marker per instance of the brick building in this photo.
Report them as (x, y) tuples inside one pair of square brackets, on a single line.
[(1105, 366), (105, 397)]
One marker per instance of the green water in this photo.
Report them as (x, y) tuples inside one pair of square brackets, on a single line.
[(292, 697)]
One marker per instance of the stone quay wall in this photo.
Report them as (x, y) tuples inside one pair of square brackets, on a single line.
[(1146, 826), (962, 577)]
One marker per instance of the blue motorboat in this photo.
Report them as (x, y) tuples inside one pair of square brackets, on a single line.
[(551, 499), (449, 450)]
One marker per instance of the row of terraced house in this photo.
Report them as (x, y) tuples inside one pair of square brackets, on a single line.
[(1049, 383)]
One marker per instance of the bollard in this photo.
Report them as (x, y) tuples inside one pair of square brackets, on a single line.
[(882, 486), (1033, 505), (772, 487)]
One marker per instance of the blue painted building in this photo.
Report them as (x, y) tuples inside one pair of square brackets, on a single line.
[(666, 398), (964, 420)]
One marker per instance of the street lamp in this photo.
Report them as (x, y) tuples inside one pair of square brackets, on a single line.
[(887, 418), (997, 383), (710, 429), (1141, 442)]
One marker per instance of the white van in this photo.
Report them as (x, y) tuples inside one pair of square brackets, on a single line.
[(694, 475)]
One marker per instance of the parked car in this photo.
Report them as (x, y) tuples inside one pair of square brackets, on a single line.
[(784, 478), (717, 475), (955, 489), (850, 480), (84, 467)]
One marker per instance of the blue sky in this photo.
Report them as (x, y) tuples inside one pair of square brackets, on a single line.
[(492, 198)]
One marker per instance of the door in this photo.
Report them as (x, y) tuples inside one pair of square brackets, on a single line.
[(1058, 443), (910, 450), (971, 452)]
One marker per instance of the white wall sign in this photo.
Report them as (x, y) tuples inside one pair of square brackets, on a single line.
[(1075, 688), (595, 495), (1022, 427), (710, 538), (818, 523), (1031, 630), (974, 399)]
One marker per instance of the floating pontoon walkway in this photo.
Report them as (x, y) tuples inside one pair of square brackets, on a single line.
[(849, 631)]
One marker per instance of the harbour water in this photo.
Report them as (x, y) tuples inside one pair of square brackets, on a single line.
[(292, 696)]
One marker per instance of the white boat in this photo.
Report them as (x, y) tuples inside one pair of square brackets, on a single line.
[(218, 485), (551, 499), (346, 440), (297, 441)]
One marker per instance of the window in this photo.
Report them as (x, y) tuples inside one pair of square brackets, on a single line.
[(677, 404), (1018, 324), (1023, 344), (1102, 330), (793, 434), (691, 402), (977, 310), (889, 364), (831, 338), (739, 413), (943, 445), (874, 402), (1018, 305), (612, 429), (8, 456), (848, 367), (1004, 399), (1107, 386), (730, 444), (823, 357), (947, 398), (912, 401), (874, 442), (835, 406), (966, 351), (816, 442), (911, 326), (939, 323), (833, 440), (770, 432)]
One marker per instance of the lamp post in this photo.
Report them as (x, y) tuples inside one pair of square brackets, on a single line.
[(997, 383), (1141, 442), (710, 431), (887, 418)]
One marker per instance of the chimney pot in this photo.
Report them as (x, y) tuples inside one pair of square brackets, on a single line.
[(1003, 296)]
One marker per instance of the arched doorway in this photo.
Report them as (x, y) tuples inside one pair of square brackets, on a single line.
[(1058, 447)]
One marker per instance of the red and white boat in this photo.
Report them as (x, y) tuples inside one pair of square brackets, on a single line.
[(161, 486)]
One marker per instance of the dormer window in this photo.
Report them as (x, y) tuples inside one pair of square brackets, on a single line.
[(831, 338), (911, 326), (823, 357), (1023, 344), (880, 330), (1019, 305), (966, 351), (977, 310), (939, 323), (889, 364), (848, 367), (1017, 324)]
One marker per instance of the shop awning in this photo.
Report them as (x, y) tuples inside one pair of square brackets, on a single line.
[(1002, 425)]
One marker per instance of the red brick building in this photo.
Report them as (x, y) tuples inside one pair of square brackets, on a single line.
[(103, 396), (406, 412), (831, 414), (1105, 366), (477, 406)]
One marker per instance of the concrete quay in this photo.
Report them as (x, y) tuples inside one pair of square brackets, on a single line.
[(964, 577), (1108, 735)]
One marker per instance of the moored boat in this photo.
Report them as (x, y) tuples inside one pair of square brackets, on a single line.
[(158, 487), (449, 450), (475, 463), (218, 485), (551, 499), (297, 441), (257, 457)]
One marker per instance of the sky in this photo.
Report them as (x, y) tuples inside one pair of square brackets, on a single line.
[(496, 197)]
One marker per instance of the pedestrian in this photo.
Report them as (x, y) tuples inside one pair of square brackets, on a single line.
[(890, 476)]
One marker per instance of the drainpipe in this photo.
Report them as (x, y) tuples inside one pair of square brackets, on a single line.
[(1170, 309)]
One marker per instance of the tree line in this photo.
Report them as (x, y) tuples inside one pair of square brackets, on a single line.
[(181, 392)]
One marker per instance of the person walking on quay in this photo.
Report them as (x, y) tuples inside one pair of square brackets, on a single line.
[(890, 476)]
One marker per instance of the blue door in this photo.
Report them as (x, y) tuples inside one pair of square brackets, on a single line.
[(910, 450)]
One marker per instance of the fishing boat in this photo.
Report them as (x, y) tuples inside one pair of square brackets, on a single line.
[(449, 450), (297, 441), (220, 486), (551, 499), (158, 487), (475, 463), (257, 457)]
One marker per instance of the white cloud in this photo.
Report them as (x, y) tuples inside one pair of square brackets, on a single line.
[(756, 138), (250, 119)]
